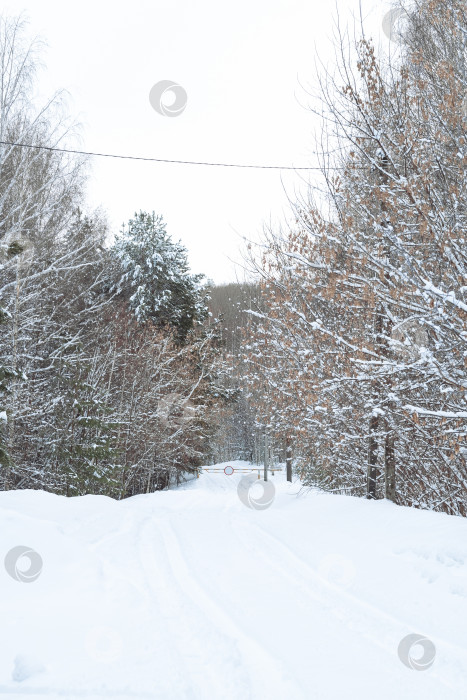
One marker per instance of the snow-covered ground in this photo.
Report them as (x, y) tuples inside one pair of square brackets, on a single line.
[(190, 594)]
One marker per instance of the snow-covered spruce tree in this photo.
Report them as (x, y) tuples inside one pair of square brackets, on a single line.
[(155, 276)]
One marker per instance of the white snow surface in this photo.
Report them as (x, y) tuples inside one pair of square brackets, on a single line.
[(188, 594)]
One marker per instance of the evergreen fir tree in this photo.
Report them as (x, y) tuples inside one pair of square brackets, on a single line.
[(156, 279)]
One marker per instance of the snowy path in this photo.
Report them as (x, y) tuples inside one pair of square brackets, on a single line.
[(190, 595)]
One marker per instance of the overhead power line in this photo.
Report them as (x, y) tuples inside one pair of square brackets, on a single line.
[(167, 160)]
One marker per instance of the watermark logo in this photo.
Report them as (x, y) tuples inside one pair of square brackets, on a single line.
[(416, 663), (175, 409), (392, 24), (17, 558), (250, 500), (159, 97)]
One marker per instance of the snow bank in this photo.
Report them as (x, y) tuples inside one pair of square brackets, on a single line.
[(189, 594)]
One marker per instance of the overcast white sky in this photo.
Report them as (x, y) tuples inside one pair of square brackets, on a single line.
[(241, 64)]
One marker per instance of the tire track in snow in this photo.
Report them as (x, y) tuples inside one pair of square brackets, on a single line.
[(158, 589), (267, 677), (212, 662), (359, 616)]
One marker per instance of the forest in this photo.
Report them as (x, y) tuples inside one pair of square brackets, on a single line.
[(343, 350)]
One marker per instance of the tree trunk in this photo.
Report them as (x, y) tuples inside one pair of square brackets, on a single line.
[(288, 457), (390, 464), (373, 471)]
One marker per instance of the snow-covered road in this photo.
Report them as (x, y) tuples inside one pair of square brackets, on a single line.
[(189, 594)]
